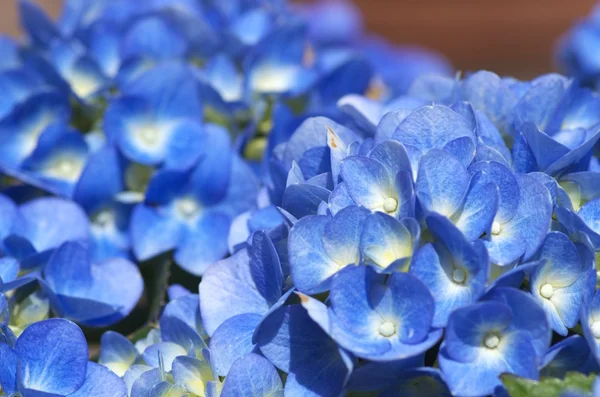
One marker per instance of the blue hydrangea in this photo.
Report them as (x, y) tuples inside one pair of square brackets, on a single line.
[(327, 213)]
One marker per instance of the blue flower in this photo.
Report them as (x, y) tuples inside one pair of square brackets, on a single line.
[(454, 270), (387, 243), (278, 65), (520, 235), (157, 119), (30, 123), (444, 186), (561, 282), (320, 246), (576, 49), (489, 338), (51, 357), (559, 123), (379, 319), (190, 211), (380, 182), (91, 293)]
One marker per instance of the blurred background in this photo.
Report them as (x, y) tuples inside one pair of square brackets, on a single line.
[(510, 37)]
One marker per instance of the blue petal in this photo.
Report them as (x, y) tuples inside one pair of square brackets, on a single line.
[(541, 100), (212, 176), (303, 199), (117, 353), (432, 127), (192, 373), (151, 37), (39, 27), (8, 368), (21, 129), (162, 354), (152, 232), (570, 354), (490, 94), (100, 180), (185, 145), (265, 267), (53, 357), (187, 309), (370, 185), (528, 316), (385, 240), (341, 236), (310, 266), (479, 208), (168, 90), (252, 376), (297, 345), (77, 282), (442, 182), (508, 187), (525, 232), (48, 222), (204, 243), (100, 382), (228, 289), (232, 340)]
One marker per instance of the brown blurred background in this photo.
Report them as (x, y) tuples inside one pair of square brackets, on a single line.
[(510, 37)]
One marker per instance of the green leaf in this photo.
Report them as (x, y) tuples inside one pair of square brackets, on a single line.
[(547, 387)]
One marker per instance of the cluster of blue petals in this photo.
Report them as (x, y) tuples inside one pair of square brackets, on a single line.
[(361, 221)]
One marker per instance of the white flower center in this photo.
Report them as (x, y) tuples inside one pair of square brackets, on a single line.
[(387, 329), (66, 168), (390, 204), (547, 291), (491, 341), (149, 135), (496, 228), (596, 329), (459, 275), (105, 218), (187, 207)]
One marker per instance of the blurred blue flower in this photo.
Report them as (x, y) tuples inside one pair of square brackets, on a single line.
[(191, 210)]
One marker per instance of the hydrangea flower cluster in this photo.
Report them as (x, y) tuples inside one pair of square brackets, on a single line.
[(360, 221)]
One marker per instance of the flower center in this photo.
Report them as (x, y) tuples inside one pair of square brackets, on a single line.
[(105, 218), (390, 204), (149, 135), (496, 228), (65, 168), (459, 275), (387, 329), (547, 291), (491, 341), (187, 207), (596, 329)]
